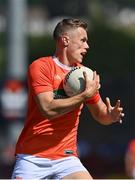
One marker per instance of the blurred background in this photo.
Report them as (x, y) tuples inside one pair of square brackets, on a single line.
[(26, 33)]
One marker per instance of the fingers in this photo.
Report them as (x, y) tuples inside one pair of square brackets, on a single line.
[(118, 110), (85, 76), (94, 74), (96, 77), (120, 121), (121, 116), (91, 86), (117, 104)]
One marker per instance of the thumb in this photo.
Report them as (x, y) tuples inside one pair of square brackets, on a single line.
[(108, 104)]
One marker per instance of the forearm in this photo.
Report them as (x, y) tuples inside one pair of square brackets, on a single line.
[(60, 107), (100, 113), (53, 108)]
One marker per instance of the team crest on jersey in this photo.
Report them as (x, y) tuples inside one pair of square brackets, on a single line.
[(59, 94)]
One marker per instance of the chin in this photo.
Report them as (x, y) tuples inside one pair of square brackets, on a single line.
[(80, 60)]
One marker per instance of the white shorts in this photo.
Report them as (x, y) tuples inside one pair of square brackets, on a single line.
[(31, 167)]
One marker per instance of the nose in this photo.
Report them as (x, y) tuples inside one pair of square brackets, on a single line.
[(86, 45)]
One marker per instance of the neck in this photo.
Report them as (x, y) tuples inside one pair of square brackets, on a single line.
[(62, 57)]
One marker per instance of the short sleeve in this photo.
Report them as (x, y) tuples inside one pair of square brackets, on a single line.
[(40, 77)]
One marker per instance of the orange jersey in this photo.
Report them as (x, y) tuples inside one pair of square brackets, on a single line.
[(40, 136)]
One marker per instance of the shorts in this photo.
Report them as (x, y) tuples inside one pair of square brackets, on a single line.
[(31, 167)]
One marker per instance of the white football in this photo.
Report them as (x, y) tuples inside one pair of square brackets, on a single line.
[(74, 82)]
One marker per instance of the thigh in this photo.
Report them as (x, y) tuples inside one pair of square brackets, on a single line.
[(78, 175), (71, 167), (29, 168)]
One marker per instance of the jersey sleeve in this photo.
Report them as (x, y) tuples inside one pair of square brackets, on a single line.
[(40, 77), (93, 99)]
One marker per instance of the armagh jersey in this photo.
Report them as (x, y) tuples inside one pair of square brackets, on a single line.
[(40, 136)]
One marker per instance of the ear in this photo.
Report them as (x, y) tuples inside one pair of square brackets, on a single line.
[(65, 40)]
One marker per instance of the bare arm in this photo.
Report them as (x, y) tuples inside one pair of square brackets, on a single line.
[(52, 108), (106, 114)]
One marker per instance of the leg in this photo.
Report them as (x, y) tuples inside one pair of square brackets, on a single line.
[(78, 175), (31, 167), (70, 168)]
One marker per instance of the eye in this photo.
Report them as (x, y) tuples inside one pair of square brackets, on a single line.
[(84, 40)]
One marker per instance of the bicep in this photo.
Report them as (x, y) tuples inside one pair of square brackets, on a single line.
[(43, 100)]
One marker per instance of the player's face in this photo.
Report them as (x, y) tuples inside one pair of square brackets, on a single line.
[(77, 46)]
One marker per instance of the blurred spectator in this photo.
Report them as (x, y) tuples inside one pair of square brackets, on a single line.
[(130, 159), (13, 100)]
